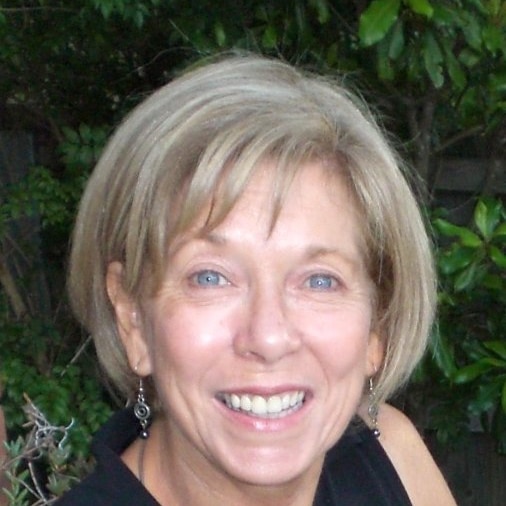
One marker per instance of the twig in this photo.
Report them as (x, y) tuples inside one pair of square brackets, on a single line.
[(35, 481)]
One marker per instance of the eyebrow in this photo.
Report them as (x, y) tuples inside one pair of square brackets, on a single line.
[(213, 238), (322, 251), (312, 252)]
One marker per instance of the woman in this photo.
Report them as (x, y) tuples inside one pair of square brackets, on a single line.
[(257, 278)]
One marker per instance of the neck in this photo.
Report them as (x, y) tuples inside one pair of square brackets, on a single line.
[(177, 476)]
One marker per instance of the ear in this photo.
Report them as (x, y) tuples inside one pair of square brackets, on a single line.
[(375, 353), (128, 321)]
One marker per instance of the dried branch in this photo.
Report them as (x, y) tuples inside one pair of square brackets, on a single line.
[(42, 438)]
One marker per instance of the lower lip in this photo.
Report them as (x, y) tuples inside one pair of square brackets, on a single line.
[(259, 424)]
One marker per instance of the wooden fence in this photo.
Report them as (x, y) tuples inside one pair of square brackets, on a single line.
[(475, 472)]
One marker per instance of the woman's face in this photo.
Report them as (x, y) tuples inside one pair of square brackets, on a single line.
[(259, 342)]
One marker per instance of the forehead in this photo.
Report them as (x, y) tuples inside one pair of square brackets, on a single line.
[(314, 204)]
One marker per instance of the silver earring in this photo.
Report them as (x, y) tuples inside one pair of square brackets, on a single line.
[(142, 411), (373, 409)]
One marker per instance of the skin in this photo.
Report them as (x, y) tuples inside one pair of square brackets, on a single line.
[(412, 460), (247, 310)]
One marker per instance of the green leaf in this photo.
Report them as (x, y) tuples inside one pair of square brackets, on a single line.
[(494, 283), (471, 372), (384, 64), (467, 237), (422, 7), (270, 37), (455, 71), (443, 354), (471, 29), (486, 217), (322, 9), (85, 132), (219, 34), (455, 260), (376, 20), (486, 398), (106, 7), (498, 257), (443, 15), (71, 135), (433, 57), (332, 54), (467, 278), (500, 231), (469, 57), (480, 218), (396, 41), (498, 347), (138, 18), (494, 7), (496, 363), (494, 38)]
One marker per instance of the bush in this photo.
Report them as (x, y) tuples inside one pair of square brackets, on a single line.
[(462, 383)]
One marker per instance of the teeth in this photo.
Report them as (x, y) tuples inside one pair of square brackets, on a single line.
[(268, 407), (235, 400), (274, 404), (258, 405)]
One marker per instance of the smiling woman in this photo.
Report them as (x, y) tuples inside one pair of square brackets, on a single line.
[(256, 275)]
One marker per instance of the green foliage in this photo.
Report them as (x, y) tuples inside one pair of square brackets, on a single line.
[(377, 20), (38, 354), (81, 148), (39, 362), (445, 62), (130, 10), (419, 37), (466, 376)]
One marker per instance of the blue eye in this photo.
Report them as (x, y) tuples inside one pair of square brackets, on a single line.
[(321, 282), (209, 278)]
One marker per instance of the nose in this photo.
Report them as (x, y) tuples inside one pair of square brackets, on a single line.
[(268, 332)]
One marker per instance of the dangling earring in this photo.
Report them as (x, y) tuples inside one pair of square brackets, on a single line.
[(142, 411), (373, 409)]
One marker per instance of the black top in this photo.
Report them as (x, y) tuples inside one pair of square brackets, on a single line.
[(356, 472)]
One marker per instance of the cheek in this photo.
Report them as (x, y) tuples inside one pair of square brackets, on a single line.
[(340, 339), (186, 340)]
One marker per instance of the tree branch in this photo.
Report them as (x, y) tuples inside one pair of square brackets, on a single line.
[(459, 137), (11, 290)]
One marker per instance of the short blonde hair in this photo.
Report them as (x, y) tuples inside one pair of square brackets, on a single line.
[(206, 132)]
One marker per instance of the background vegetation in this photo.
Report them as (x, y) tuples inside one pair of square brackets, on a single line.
[(434, 69)]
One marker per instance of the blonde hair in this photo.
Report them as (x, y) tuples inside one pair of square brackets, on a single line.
[(205, 133)]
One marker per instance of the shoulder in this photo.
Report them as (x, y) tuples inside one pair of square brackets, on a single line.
[(412, 459)]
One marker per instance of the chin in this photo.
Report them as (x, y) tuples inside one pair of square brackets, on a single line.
[(271, 471)]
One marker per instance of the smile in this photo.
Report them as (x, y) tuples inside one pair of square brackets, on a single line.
[(273, 406)]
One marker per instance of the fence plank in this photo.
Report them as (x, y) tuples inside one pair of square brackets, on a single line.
[(475, 472)]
